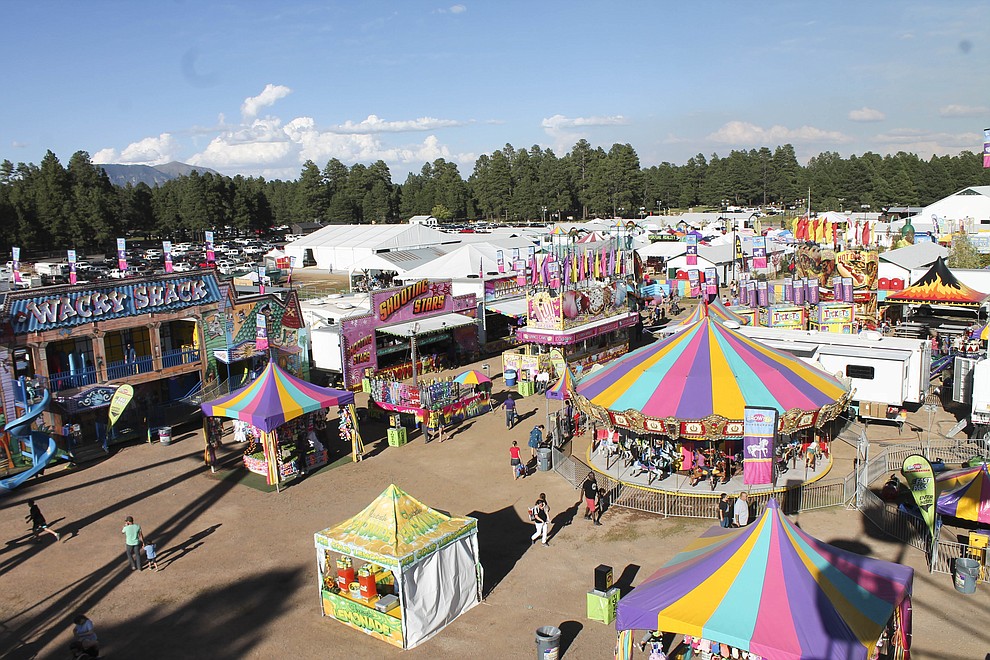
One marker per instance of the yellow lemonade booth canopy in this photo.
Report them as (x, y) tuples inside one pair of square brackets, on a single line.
[(428, 560)]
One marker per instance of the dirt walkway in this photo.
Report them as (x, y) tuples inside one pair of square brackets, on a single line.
[(238, 576)]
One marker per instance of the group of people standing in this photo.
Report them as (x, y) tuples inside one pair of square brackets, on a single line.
[(733, 514)]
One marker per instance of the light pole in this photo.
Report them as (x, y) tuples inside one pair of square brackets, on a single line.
[(412, 350), (544, 209)]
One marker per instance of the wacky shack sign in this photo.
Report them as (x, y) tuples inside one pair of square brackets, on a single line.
[(67, 308)]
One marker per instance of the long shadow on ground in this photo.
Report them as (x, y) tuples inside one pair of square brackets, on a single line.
[(503, 538)]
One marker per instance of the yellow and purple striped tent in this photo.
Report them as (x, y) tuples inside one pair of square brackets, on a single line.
[(715, 309), (697, 383), (275, 398), (965, 494), (774, 590)]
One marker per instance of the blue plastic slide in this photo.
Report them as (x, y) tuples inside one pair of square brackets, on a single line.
[(41, 451)]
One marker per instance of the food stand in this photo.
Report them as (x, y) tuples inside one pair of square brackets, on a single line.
[(431, 403), (399, 570), (273, 411)]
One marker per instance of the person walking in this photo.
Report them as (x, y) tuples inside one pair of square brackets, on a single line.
[(724, 511), (740, 511), (133, 540), (535, 438), (510, 411), (514, 460), (540, 516), (39, 525), (591, 498)]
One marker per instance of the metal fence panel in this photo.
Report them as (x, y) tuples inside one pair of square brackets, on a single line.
[(946, 554)]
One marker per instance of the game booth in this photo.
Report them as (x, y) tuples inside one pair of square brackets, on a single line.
[(399, 570), (708, 403), (776, 591), (430, 403), (281, 417)]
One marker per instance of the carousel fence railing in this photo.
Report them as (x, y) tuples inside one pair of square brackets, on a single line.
[(948, 449), (947, 552)]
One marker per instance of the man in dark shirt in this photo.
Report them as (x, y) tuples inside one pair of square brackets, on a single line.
[(38, 523), (591, 498), (510, 411)]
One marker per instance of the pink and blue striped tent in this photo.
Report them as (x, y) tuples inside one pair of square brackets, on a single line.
[(709, 371), (965, 494), (774, 590), (275, 398), (563, 387)]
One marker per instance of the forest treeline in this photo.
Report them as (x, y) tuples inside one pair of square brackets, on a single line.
[(51, 207)]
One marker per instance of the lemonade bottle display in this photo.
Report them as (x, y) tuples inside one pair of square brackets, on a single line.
[(345, 573)]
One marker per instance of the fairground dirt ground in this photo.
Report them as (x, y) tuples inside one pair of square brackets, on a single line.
[(238, 566)]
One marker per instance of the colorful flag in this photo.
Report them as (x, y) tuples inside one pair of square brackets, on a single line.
[(694, 278), (711, 281), (986, 147), (211, 256), (122, 255), (763, 293), (500, 260), (119, 401), (759, 252), (261, 332), (759, 435), (15, 264), (921, 482), (261, 279), (692, 250), (72, 267), (167, 251)]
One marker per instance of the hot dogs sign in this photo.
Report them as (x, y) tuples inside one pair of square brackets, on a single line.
[(822, 265)]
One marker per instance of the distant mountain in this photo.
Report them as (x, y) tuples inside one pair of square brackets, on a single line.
[(121, 175)]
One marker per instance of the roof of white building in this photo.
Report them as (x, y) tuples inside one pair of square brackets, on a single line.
[(374, 237), (922, 253)]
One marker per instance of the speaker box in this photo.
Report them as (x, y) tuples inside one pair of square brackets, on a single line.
[(603, 578)]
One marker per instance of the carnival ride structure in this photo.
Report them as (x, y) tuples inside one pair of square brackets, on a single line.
[(41, 446)]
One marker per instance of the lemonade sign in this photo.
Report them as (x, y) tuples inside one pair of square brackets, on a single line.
[(364, 618)]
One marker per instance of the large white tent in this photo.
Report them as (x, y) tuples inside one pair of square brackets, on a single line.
[(339, 247)]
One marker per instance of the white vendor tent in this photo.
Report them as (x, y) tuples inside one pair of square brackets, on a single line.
[(338, 247), (433, 559)]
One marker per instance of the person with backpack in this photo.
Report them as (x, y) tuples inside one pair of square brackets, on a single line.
[(535, 438), (539, 515)]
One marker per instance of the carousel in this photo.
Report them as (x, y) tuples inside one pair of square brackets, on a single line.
[(710, 407)]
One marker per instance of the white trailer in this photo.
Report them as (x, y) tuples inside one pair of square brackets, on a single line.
[(51, 269), (980, 394)]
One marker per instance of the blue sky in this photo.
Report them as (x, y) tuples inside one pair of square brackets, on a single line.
[(257, 88)]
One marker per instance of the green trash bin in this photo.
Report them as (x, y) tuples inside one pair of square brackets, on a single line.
[(547, 643), (967, 573)]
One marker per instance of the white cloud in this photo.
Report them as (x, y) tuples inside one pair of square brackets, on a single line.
[(268, 96), (149, 151), (374, 124), (560, 122), (744, 133), (453, 9), (866, 114), (926, 143), (963, 110)]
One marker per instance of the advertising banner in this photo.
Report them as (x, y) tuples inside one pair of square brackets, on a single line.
[(261, 279), (694, 279), (811, 291), (788, 290), (500, 260), (751, 296), (545, 311), (759, 434), (986, 147), (797, 292), (72, 266), (167, 252), (762, 293), (119, 401), (407, 303), (15, 264), (759, 252), (261, 333), (692, 250), (711, 281), (122, 254), (847, 289), (921, 482), (211, 256), (361, 617)]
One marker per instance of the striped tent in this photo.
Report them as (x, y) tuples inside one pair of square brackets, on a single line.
[(697, 383), (275, 398), (715, 309), (774, 590), (965, 494), (563, 387)]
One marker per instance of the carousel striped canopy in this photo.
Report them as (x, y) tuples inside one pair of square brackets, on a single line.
[(562, 388), (710, 371), (715, 309), (965, 494), (275, 398)]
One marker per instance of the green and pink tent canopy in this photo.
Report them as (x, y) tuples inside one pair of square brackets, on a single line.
[(774, 590), (965, 494), (696, 384), (275, 398)]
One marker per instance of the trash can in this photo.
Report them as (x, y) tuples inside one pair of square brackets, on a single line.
[(547, 643), (165, 435), (510, 377), (543, 459), (967, 572)]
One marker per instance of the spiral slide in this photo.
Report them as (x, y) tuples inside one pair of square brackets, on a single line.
[(43, 448)]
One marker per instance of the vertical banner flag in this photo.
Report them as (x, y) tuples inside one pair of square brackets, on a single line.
[(711, 282), (211, 256), (798, 291), (122, 254), (811, 293), (519, 266), (553, 269), (167, 251), (500, 260), (751, 296), (837, 288), (515, 255), (72, 267), (763, 293), (921, 482), (119, 401), (692, 250), (532, 252), (261, 279), (292, 264), (695, 281), (986, 147), (261, 334), (739, 254), (847, 289), (759, 252), (789, 290), (759, 434), (15, 264)]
